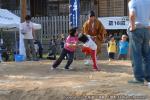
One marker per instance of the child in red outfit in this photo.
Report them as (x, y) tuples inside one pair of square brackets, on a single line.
[(89, 48)]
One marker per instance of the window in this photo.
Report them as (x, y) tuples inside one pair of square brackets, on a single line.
[(53, 9), (85, 6), (10, 4), (63, 9)]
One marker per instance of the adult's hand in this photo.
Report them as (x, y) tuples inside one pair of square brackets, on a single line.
[(132, 28), (94, 38)]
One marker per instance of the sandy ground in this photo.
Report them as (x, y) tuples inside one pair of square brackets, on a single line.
[(35, 81)]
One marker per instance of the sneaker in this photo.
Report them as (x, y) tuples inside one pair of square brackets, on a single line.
[(147, 80), (67, 69), (53, 68), (136, 82), (87, 63)]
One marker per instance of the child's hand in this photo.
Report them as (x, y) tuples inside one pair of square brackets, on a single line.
[(80, 45), (72, 45), (94, 38)]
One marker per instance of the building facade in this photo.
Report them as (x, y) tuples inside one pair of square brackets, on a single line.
[(61, 7), (112, 7)]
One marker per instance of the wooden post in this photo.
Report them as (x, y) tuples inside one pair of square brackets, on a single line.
[(23, 9)]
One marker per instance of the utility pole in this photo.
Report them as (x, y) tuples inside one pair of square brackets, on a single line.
[(23, 9), (22, 16)]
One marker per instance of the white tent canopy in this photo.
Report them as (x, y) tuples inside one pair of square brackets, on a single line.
[(9, 20)]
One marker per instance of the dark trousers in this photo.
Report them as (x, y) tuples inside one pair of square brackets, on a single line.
[(140, 53), (122, 56), (111, 55), (40, 53), (62, 55), (29, 47)]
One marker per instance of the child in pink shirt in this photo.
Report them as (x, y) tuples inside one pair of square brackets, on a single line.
[(69, 49)]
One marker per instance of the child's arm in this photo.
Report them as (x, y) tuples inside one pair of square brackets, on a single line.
[(79, 45), (71, 45)]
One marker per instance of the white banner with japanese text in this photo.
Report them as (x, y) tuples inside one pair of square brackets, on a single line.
[(115, 22)]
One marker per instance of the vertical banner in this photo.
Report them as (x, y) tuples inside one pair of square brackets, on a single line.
[(74, 14)]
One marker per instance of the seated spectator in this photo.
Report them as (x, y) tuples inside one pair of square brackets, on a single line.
[(52, 50), (4, 53), (62, 43)]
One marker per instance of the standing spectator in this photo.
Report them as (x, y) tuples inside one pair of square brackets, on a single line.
[(139, 17), (123, 48), (112, 48), (29, 36), (95, 29)]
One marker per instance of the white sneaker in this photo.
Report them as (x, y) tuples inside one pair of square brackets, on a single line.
[(68, 69), (52, 68), (87, 62)]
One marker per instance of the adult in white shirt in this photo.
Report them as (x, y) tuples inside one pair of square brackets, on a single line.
[(27, 31)]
